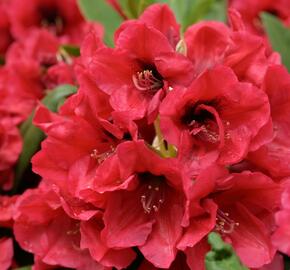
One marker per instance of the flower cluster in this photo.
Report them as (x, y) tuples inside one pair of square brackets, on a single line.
[(168, 139)]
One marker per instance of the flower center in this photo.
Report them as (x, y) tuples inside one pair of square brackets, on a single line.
[(51, 20), (224, 223), (100, 157), (194, 115), (147, 80), (153, 192), (203, 120)]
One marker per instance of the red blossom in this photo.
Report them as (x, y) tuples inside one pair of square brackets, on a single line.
[(250, 11), (281, 237), (243, 206), (218, 113), (136, 73), (67, 24), (43, 228), (10, 148), (213, 43), (6, 253), (274, 156)]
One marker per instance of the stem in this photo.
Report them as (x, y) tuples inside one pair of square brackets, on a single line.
[(160, 137), (168, 152)]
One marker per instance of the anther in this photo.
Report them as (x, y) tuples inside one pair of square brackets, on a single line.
[(152, 199), (225, 224), (100, 157), (146, 81)]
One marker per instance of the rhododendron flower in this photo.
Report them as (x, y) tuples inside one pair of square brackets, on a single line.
[(218, 113), (10, 148), (6, 210), (159, 17), (252, 9), (274, 156), (43, 228), (245, 204), (152, 199), (212, 43), (170, 136), (80, 136), (140, 70), (28, 72), (5, 31), (67, 24), (6, 252), (281, 237)]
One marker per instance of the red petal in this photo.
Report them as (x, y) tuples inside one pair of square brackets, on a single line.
[(126, 224), (160, 248)]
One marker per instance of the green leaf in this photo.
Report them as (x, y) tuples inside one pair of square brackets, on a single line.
[(143, 4), (32, 136), (134, 8), (130, 8), (101, 11), (57, 95), (24, 268), (71, 49), (188, 12), (279, 36), (222, 255), (217, 11)]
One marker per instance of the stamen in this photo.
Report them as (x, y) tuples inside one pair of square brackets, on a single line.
[(152, 199), (100, 157), (224, 224), (146, 81)]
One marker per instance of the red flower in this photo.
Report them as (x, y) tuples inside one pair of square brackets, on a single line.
[(65, 23), (21, 77), (6, 210), (252, 9), (244, 205), (82, 135), (30, 69), (274, 156), (145, 202), (5, 31), (44, 229), (6, 253), (160, 17), (218, 113), (213, 43), (281, 237), (139, 71), (10, 148)]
